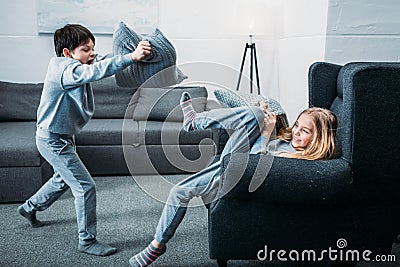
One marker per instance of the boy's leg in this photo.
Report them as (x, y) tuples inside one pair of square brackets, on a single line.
[(46, 195), (61, 154), (43, 199)]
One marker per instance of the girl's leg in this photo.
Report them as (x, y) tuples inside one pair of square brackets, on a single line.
[(227, 118), (202, 183), (246, 122), (199, 184)]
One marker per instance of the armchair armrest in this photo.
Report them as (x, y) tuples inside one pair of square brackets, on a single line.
[(371, 99), (288, 181)]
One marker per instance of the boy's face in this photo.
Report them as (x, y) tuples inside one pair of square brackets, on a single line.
[(84, 53)]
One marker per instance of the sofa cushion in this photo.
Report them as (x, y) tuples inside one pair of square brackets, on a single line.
[(162, 57), (19, 101), (18, 145), (157, 104), (101, 132), (110, 99), (171, 133)]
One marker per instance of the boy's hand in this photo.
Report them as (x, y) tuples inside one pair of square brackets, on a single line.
[(142, 50)]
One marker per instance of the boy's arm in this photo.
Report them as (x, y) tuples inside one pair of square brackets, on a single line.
[(102, 57), (76, 73)]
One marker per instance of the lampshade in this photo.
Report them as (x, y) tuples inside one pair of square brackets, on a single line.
[(258, 17)]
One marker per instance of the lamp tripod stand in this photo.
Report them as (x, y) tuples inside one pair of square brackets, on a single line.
[(253, 60)]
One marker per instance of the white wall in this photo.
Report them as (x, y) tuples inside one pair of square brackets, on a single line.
[(338, 31), (300, 43), (294, 34), (363, 30), (290, 37), (200, 31)]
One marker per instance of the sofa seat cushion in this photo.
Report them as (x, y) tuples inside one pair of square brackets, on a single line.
[(18, 145), (102, 132), (171, 133)]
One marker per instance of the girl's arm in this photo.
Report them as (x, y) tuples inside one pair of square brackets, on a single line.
[(260, 146)]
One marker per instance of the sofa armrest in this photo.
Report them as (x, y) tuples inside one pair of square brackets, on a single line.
[(288, 181)]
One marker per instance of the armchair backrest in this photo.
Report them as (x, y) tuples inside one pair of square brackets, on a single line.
[(323, 92), (365, 96)]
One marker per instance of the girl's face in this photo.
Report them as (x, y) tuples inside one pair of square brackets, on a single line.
[(302, 132), (84, 53)]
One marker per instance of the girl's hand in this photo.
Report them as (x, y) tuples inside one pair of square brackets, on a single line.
[(142, 50), (269, 124), (263, 105)]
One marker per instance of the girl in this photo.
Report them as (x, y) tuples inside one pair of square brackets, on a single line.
[(311, 137)]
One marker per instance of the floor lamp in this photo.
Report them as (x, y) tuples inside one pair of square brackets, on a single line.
[(253, 60)]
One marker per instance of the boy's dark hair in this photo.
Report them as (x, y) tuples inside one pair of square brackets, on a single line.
[(71, 36)]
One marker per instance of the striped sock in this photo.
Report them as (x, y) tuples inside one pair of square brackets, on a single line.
[(188, 112), (146, 256)]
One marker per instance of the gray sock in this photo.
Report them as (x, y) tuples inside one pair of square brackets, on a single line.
[(97, 248), (31, 217)]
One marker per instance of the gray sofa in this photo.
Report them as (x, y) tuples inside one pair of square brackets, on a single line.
[(143, 131)]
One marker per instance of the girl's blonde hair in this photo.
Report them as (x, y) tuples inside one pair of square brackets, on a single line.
[(322, 145)]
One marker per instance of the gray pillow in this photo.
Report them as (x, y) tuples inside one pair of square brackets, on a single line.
[(157, 104), (232, 100), (161, 61)]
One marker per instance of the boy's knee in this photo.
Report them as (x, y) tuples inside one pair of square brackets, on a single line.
[(88, 188)]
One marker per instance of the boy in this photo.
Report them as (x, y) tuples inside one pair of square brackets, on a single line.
[(66, 105)]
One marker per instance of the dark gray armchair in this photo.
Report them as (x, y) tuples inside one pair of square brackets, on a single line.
[(351, 202)]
